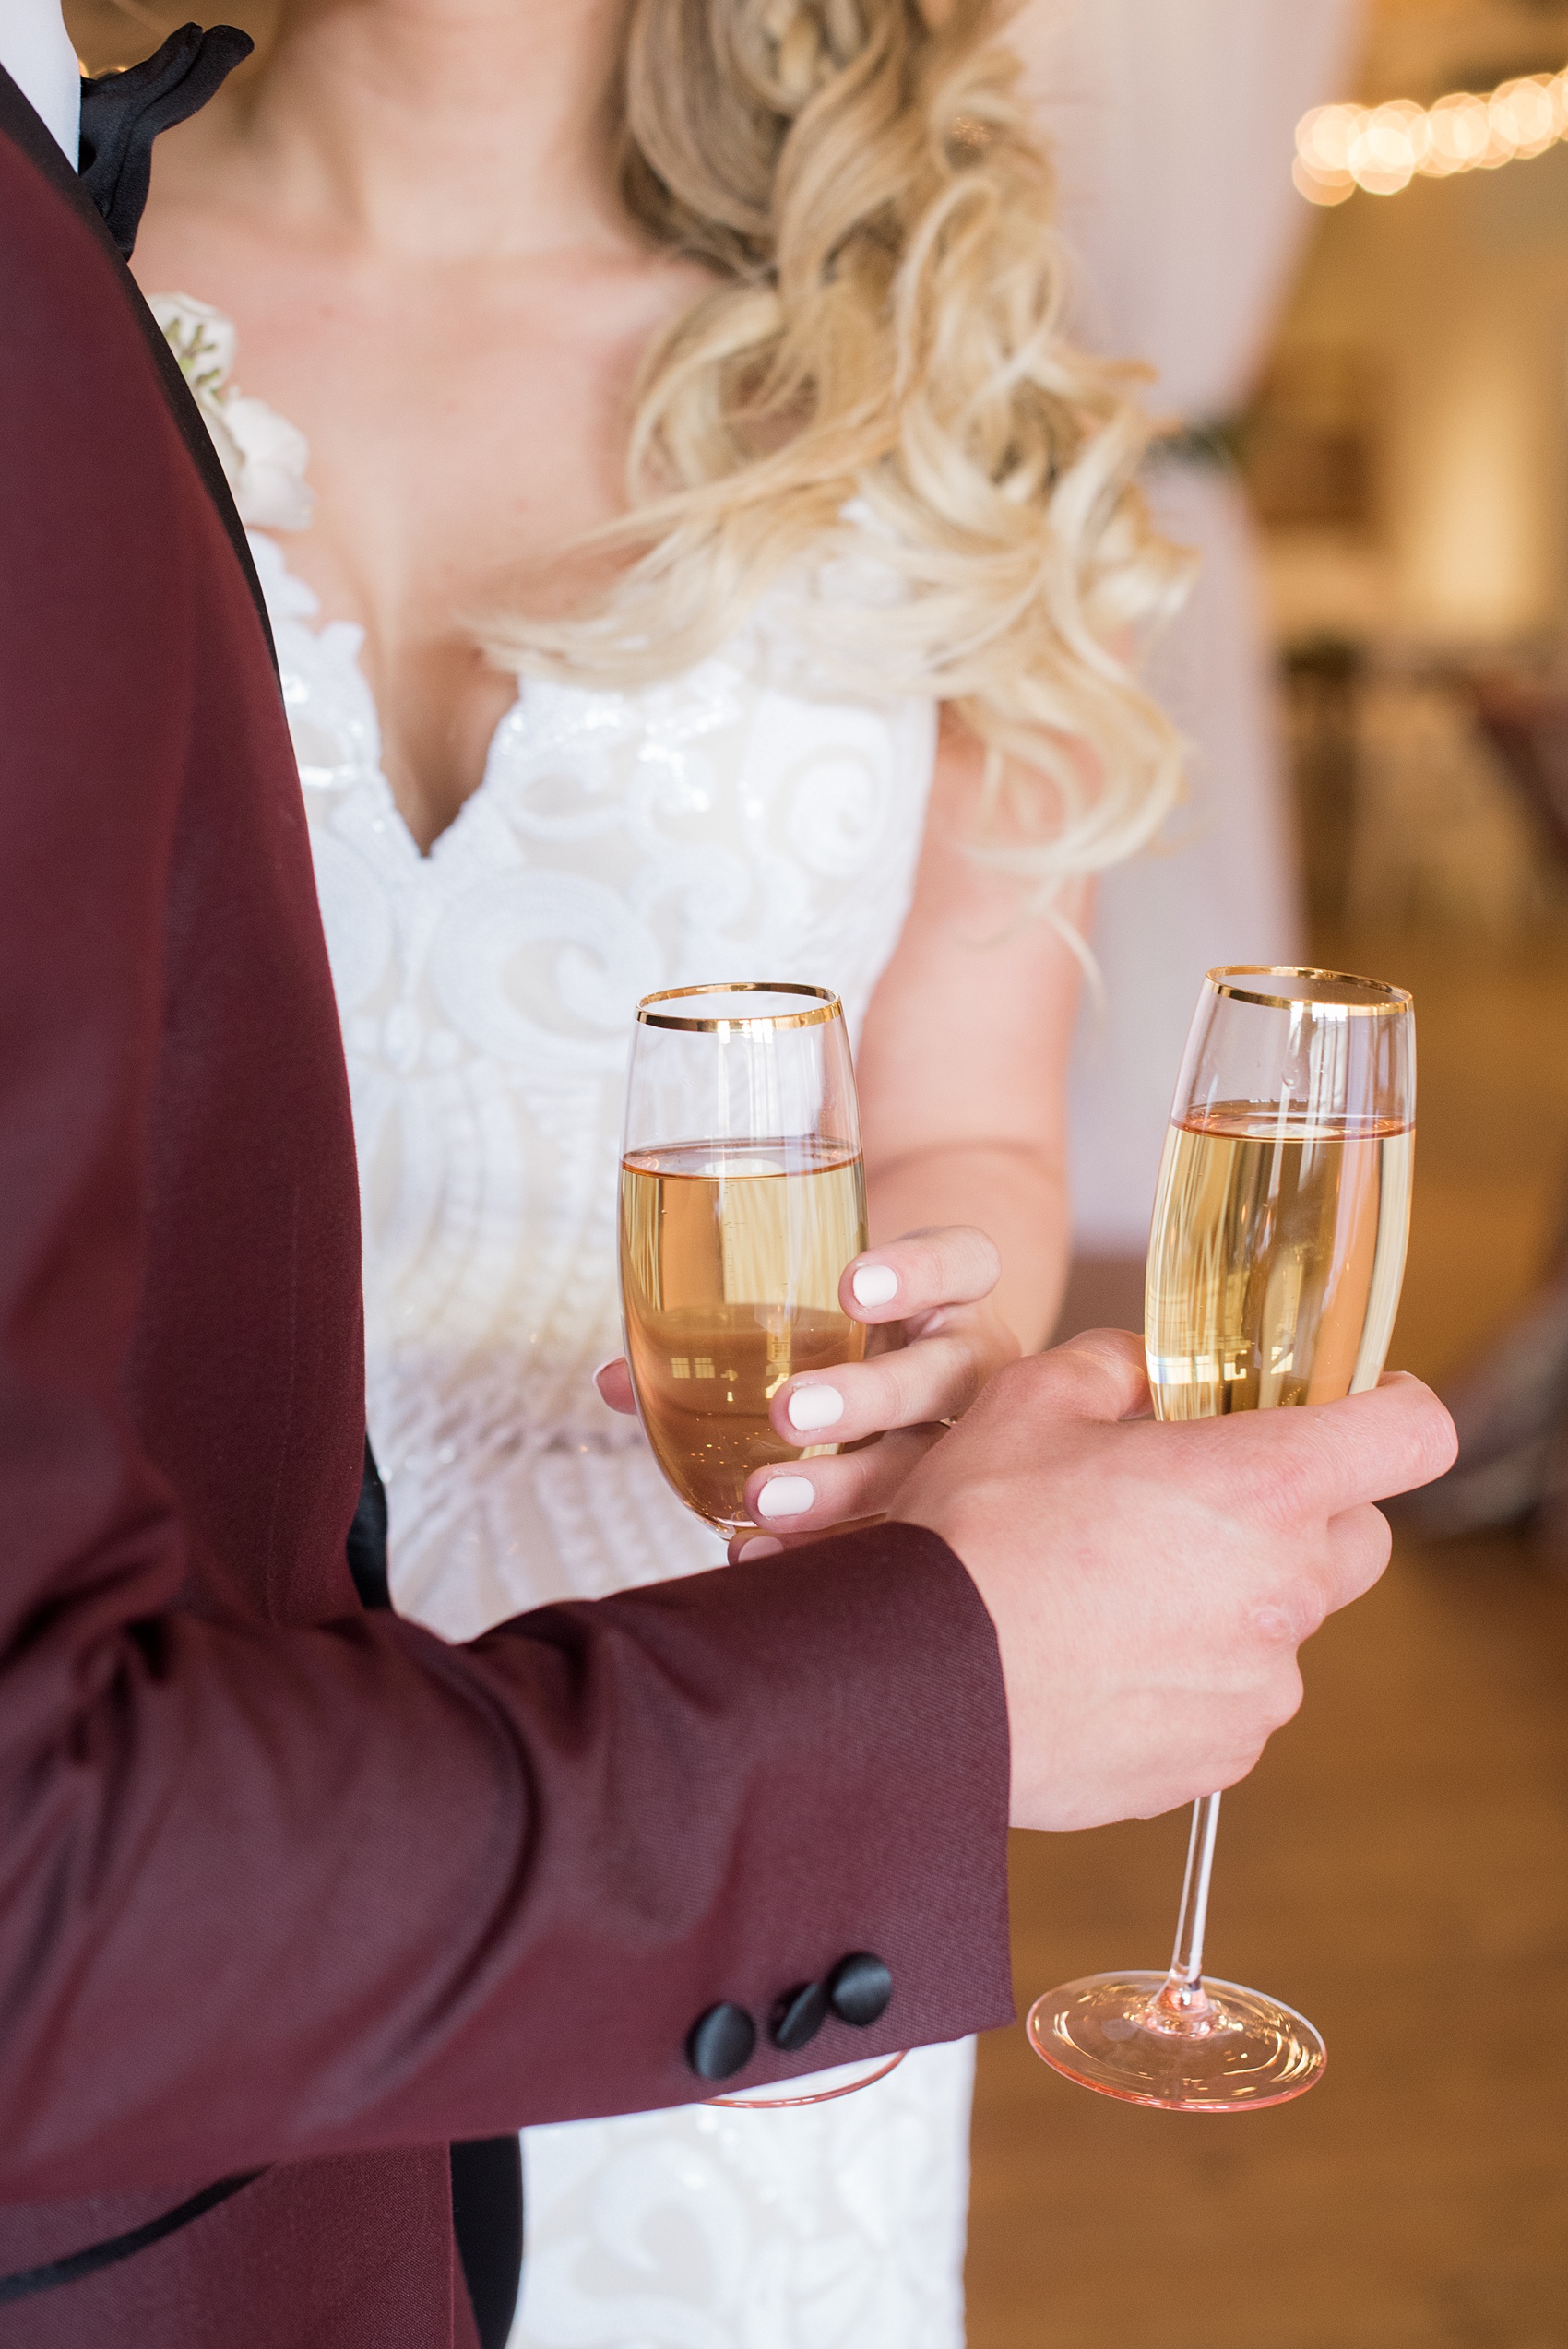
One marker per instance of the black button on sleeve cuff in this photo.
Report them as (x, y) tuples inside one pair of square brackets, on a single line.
[(859, 1987), (720, 2042), (799, 2016)]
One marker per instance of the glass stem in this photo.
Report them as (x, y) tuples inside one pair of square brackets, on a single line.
[(1183, 2003)]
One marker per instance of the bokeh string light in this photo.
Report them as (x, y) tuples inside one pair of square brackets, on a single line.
[(1382, 148)]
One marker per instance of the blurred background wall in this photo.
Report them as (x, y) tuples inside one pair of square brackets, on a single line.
[(1168, 122), (1367, 399)]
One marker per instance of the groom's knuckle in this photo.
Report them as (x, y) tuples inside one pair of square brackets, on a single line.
[(963, 1376), (1278, 1480)]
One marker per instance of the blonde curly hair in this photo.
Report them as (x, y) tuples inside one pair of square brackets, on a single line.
[(885, 327)]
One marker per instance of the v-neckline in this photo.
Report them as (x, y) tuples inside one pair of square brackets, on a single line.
[(427, 858), (318, 627)]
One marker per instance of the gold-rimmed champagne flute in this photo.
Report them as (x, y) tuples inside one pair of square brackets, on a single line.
[(1275, 1259), (742, 1201)]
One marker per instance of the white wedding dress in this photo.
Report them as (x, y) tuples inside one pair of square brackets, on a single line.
[(729, 822)]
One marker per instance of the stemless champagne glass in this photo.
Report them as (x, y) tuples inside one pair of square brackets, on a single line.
[(1275, 1259), (743, 1200)]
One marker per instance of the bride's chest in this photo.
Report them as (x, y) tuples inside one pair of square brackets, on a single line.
[(467, 424), (723, 823), (453, 479)]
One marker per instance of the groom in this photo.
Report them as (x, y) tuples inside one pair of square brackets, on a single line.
[(292, 1895)]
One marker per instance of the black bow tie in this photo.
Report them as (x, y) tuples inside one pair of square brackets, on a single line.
[(122, 113)]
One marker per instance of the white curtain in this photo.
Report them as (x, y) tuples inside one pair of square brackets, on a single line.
[(1172, 123)]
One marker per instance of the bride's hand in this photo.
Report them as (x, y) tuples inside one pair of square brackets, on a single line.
[(936, 1339)]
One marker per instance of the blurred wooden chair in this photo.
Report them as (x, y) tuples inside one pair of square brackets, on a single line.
[(1511, 1406), (1526, 720), (1440, 832)]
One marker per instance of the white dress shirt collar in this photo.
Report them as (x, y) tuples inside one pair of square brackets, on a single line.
[(36, 51)]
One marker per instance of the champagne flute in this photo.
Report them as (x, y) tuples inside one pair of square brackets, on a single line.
[(742, 1199), (1275, 1259)]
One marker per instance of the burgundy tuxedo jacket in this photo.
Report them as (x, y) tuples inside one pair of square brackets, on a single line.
[(287, 1888)]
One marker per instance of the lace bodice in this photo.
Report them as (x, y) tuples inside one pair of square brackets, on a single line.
[(734, 821), (724, 825)]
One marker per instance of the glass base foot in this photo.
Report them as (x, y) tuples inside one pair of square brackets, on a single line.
[(815, 2088), (1224, 2050)]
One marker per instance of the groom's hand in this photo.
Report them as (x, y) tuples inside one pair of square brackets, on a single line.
[(1151, 1583)]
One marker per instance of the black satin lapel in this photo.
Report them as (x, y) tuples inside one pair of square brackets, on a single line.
[(28, 131)]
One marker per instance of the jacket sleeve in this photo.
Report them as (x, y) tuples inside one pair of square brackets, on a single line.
[(271, 1889)]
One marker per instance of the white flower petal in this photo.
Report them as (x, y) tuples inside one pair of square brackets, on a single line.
[(228, 453), (271, 492)]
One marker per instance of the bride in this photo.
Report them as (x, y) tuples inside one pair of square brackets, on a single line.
[(693, 553)]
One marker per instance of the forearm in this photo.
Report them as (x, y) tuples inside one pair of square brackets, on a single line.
[(282, 1892), (1016, 1196)]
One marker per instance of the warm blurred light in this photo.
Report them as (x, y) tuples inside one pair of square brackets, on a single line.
[(1530, 114), (1322, 138), (1386, 147), (1381, 148), (1322, 187), (1458, 131)]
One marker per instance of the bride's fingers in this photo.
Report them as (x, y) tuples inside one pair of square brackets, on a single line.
[(817, 1495), (937, 1378), (753, 1546), (613, 1380), (950, 1265)]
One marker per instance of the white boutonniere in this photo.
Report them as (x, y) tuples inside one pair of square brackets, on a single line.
[(264, 456)]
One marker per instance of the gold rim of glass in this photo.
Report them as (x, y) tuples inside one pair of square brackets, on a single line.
[(1373, 997), (828, 1005)]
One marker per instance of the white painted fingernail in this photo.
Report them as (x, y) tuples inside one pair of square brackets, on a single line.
[(761, 1546), (875, 1285), (815, 1406), (785, 1497)]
